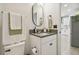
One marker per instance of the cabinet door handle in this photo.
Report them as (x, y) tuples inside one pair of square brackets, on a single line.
[(51, 44), (8, 50)]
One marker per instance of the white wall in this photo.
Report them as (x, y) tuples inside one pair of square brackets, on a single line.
[(0, 33), (1, 8), (51, 9)]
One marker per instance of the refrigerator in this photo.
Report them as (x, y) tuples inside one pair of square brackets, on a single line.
[(75, 31)]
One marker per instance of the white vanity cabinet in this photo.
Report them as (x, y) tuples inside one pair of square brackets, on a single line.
[(45, 45)]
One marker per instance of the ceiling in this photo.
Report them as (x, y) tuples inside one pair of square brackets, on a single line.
[(69, 8)]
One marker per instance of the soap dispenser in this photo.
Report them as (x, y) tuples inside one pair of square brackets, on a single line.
[(50, 21)]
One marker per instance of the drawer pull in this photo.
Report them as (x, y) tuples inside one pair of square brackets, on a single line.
[(51, 44), (8, 50), (35, 51)]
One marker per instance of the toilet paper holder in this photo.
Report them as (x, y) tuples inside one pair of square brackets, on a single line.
[(35, 48)]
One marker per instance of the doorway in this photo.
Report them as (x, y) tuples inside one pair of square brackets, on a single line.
[(65, 35)]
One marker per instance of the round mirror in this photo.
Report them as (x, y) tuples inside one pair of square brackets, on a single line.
[(37, 14)]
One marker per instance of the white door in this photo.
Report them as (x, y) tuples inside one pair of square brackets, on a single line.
[(65, 35), (49, 48)]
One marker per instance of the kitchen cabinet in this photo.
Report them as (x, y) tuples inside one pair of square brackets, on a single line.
[(44, 46)]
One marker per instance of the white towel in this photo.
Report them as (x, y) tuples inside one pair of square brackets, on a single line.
[(15, 20)]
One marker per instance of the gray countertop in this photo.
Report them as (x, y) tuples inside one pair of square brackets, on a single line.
[(44, 34)]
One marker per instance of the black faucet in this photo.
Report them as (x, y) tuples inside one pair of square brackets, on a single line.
[(35, 30)]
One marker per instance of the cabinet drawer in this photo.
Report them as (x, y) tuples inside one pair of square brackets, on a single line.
[(15, 49), (48, 38)]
